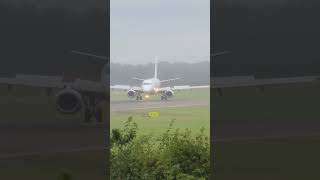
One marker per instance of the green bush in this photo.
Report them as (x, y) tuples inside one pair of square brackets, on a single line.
[(174, 155), (65, 175)]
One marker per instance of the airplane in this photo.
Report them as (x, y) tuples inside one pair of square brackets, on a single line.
[(78, 94), (152, 86)]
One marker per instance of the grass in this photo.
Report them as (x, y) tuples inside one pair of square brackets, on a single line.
[(279, 159), (25, 105), (294, 158), (299, 102), (270, 159), (193, 118)]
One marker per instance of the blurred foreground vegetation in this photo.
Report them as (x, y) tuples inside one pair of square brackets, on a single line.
[(175, 154)]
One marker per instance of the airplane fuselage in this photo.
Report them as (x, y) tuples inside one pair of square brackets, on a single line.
[(151, 86)]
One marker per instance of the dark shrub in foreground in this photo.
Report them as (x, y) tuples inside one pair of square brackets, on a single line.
[(175, 154)]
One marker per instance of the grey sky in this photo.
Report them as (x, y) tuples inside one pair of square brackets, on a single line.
[(174, 30)]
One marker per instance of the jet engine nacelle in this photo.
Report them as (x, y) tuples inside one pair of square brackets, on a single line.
[(169, 93), (68, 101), (131, 93)]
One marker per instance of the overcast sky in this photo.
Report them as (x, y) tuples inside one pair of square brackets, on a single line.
[(174, 30)]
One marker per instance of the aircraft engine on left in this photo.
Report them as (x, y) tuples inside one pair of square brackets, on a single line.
[(68, 101), (132, 93)]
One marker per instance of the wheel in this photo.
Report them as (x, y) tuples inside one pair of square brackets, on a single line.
[(166, 98), (137, 98), (99, 115), (87, 115)]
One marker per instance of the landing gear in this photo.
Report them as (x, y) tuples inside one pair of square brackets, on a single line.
[(139, 97), (164, 98), (99, 115), (92, 108), (87, 115)]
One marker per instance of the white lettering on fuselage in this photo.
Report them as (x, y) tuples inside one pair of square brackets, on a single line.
[(151, 86)]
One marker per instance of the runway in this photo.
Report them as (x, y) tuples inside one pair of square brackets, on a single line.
[(126, 105)]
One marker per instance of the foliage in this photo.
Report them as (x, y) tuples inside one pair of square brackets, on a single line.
[(65, 175), (123, 137), (174, 155)]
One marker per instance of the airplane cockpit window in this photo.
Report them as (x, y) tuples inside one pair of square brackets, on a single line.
[(146, 83)]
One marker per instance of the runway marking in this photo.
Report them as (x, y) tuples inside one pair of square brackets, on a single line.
[(157, 107)]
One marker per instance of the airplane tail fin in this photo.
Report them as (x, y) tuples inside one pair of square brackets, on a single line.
[(156, 68)]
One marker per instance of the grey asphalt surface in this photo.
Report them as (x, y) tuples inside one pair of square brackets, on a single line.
[(126, 105)]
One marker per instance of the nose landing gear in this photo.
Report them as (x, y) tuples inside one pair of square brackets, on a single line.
[(164, 98), (139, 97)]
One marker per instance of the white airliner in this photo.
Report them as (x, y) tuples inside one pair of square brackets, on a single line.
[(153, 86)]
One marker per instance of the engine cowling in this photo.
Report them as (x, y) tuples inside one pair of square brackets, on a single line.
[(131, 93), (68, 101), (169, 93)]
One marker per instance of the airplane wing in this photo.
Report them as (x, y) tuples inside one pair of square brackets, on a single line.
[(125, 87), (138, 79), (120, 87), (169, 80), (99, 59), (184, 87), (220, 53), (53, 82), (244, 81)]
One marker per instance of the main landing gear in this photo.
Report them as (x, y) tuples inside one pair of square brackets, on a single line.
[(139, 97), (92, 109), (164, 98)]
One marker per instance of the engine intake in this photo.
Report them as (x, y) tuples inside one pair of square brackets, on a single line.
[(68, 101), (131, 93), (169, 93)]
